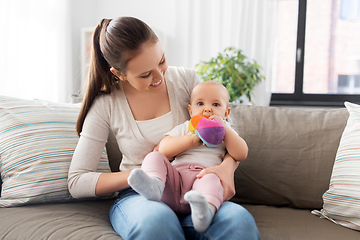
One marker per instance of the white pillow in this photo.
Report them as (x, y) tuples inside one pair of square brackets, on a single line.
[(37, 141), (342, 199)]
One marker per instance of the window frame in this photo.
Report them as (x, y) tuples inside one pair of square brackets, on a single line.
[(299, 97)]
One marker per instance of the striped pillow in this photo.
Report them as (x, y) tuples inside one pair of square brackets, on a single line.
[(37, 141), (342, 199)]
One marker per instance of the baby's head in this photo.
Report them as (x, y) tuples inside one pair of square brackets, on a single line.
[(209, 98)]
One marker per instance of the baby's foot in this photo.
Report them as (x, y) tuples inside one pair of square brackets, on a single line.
[(202, 213), (149, 187)]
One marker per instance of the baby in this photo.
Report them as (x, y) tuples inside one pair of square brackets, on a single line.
[(177, 183)]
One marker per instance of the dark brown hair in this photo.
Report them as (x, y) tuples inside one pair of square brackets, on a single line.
[(115, 43)]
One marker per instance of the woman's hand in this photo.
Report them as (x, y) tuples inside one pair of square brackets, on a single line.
[(225, 171)]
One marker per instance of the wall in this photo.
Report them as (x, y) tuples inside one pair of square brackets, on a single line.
[(83, 14)]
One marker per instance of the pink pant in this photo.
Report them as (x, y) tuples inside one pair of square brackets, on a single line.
[(180, 179)]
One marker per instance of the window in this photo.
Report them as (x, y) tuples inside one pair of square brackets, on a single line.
[(318, 56), (350, 10), (35, 49)]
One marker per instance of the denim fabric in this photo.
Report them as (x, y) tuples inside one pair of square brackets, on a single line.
[(134, 217)]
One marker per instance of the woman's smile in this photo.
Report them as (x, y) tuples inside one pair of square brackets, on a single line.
[(156, 84)]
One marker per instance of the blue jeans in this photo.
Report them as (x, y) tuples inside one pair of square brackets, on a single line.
[(134, 217)]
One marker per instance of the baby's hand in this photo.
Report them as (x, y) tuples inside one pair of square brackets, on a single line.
[(218, 118), (156, 148), (195, 140)]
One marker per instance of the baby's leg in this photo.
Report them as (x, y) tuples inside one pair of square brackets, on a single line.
[(202, 212), (149, 181), (149, 187), (205, 198)]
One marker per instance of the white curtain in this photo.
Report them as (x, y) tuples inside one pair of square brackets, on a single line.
[(35, 55), (206, 27)]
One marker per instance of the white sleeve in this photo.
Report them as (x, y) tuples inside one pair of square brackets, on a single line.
[(82, 177), (179, 130)]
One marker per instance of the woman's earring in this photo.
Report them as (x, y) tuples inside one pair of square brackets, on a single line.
[(116, 79)]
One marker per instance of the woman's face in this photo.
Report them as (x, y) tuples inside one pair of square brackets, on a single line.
[(146, 71)]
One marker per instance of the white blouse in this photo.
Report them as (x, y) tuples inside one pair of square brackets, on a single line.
[(153, 129)]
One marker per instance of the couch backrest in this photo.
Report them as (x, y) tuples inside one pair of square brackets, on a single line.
[(291, 154), (114, 153)]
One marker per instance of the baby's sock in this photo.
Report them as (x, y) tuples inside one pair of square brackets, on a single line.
[(202, 213), (149, 187)]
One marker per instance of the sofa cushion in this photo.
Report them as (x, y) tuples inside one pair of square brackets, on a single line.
[(72, 220), (291, 154), (37, 141), (342, 199), (283, 223)]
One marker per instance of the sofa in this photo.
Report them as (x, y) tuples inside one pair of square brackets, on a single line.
[(281, 183)]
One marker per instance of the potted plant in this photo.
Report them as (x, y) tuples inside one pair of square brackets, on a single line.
[(234, 70)]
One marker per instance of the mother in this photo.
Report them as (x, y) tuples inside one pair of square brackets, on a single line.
[(133, 94)]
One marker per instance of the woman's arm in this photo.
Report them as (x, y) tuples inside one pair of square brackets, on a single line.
[(172, 146), (83, 178), (111, 182), (225, 171)]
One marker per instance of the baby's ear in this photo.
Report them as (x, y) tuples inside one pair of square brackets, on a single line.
[(189, 109), (227, 112)]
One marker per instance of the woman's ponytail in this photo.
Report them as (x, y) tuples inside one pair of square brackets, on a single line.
[(99, 74)]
